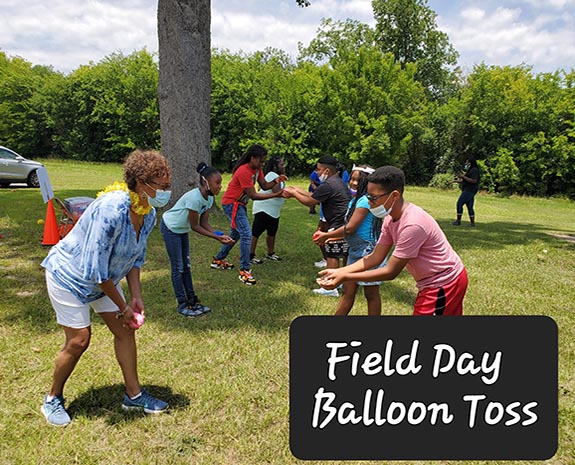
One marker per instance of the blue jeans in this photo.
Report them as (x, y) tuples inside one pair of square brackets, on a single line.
[(242, 231), (178, 247), (466, 198)]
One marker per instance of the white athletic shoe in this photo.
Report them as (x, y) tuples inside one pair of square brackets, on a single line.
[(321, 264), (322, 291)]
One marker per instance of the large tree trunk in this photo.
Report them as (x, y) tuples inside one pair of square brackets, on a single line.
[(184, 88)]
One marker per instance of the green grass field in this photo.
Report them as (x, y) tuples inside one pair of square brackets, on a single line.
[(226, 375)]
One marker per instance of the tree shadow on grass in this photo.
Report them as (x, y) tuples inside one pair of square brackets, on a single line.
[(497, 234), (105, 401)]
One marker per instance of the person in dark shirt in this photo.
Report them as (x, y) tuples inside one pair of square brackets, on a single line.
[(469, 181), (334, 197)]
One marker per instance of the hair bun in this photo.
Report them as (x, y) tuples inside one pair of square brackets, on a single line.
[(201, 167)]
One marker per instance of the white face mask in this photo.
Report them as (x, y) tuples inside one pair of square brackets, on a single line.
[(380, 211), (323, 177)]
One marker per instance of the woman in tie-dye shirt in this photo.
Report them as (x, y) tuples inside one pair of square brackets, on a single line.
[(107, 244)]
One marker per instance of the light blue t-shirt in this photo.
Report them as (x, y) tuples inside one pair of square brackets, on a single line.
[(177, 218), (271, 206), (365, 229), (101, 246)]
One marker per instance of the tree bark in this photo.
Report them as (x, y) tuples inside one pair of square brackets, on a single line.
[(184, 88)]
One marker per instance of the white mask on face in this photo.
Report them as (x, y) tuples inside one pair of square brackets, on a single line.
[(323, 177), (380, 211)]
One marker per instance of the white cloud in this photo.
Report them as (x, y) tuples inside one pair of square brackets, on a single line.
[(473, 14), (250, 33), (69, 33), (550, 3), (239, 27), (509, 36)]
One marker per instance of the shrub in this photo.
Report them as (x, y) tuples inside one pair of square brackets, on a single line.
[(442, 181)]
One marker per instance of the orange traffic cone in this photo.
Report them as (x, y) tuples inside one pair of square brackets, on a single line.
[(51, 234)]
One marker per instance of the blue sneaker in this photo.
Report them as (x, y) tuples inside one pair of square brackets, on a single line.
[(198, 307), (55, 412), (145, 402), (189, 312)]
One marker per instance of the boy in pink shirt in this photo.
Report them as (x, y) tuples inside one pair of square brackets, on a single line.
[(420, 246)]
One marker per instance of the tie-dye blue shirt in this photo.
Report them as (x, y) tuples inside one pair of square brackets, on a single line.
[(101, 246)]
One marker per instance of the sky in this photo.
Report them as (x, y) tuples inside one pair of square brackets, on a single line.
[(66, 34)]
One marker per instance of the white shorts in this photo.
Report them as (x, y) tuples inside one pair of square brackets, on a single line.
[(70, 311)]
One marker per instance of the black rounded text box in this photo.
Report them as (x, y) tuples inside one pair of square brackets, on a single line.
[(423, 388)]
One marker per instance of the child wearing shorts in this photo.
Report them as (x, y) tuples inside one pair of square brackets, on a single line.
[(361, 231)]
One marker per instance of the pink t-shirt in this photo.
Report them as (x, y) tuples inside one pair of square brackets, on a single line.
[(417, 236)]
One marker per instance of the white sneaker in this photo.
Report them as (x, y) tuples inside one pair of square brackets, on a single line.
[(321, 264), (322, 291)]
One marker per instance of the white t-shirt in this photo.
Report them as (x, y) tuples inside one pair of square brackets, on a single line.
[(270, 206), (177, 218)]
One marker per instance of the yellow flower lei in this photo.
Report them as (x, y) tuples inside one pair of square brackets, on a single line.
[(134, 198)]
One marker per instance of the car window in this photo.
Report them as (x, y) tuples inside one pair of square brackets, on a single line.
[(7, 155)]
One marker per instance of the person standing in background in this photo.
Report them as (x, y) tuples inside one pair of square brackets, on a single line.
[(469, 181)]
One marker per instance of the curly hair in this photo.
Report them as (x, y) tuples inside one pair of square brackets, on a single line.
[(144, 166)]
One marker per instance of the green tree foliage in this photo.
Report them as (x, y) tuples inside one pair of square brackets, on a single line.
[(336, 38), (108, 109), (408, 30), (260, 98), (370, 109), (26, 103), (511, 116), (344, 95)]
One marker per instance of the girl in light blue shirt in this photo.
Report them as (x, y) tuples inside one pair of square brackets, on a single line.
[(191, 212)]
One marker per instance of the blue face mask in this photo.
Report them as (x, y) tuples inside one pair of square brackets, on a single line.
[(161, 199)]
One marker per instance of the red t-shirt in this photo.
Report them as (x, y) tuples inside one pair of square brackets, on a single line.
[(243, 178)]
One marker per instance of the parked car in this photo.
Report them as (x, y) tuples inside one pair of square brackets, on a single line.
[(15, 168)]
